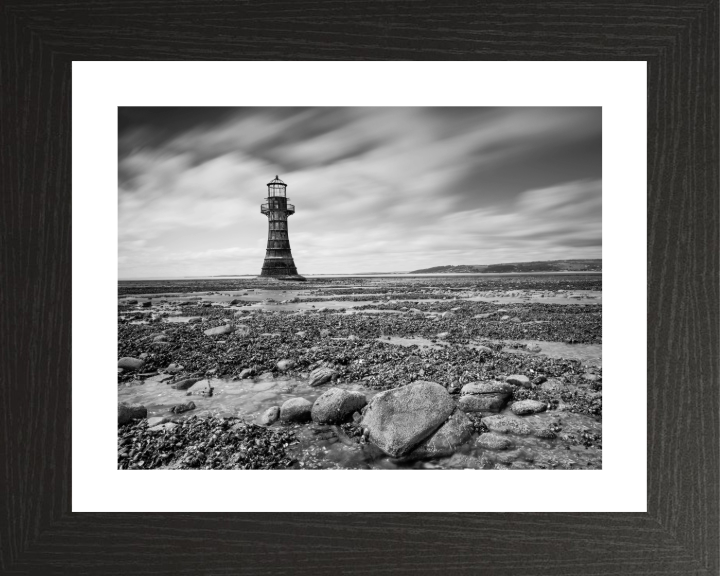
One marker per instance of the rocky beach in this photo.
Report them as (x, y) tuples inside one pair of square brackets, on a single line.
[(397, 372)]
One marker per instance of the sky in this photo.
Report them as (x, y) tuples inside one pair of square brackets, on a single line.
[(375, 189)]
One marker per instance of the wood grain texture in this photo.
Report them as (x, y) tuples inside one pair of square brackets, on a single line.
[(679, 534)]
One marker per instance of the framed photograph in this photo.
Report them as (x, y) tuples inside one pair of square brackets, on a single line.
[(491, 318)]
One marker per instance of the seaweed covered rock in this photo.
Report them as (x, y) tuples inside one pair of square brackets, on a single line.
[(337, 405), (399, 419)]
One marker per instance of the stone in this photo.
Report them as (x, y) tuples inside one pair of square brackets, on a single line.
[(129, 412), (590, 377), (539, 380), (482, 402), (336, 406), (296, 410), (535, 349), (507, 424), (487, 387), (180, 408), (518, 380), (482, 316), (399, 419), (448, 314), (160, 338), (234, 301), (492, 441), (285, 365), (174, 368), (505, 318), (247, 373), (524, 407), (443, 335), (456, 431), (201, 388), (224, 329), (128, 363), (321, 375), (324, 333), (270, 416), (184, 384)]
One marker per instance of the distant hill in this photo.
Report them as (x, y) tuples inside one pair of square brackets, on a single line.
[(543, 266)]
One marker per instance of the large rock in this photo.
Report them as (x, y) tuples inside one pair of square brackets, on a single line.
[(180, 408), (128, 363), (185, 384), (337, 405), (129, 412), (450, 436), (524, 407), (493, 441), (296, 410), (224, 329), (321, 375), (399, 419), (518, 380), (507, 425)]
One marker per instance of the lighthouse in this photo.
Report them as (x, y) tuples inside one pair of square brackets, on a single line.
[(278, 262)]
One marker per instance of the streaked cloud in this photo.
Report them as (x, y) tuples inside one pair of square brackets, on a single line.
[(376, 189)]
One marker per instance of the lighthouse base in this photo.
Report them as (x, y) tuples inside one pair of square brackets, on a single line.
[(281, 269)]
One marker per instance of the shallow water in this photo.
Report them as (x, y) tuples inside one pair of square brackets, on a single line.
[(323, 446)]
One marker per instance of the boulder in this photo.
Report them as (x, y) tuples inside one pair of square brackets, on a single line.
[(269, 416), (524, 407), (296, 410), (224, 329), (128, 363), (337, 405), (185, 384), (397, 420), (285, 364), (518, 380), (321, 375), (194, 320), (507, 424), (129, 412), (449, 437), (492, 441)]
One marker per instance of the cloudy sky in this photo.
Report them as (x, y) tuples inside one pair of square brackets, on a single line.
[(375, 189)]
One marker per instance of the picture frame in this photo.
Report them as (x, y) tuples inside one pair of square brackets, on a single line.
[(678, 535)]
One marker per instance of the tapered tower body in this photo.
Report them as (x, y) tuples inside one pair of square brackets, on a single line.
[(279, 262)]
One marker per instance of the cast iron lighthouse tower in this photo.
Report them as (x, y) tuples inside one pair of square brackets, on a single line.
[(278, 258)]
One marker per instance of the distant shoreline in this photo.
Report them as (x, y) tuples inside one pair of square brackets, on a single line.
[(386, 275)]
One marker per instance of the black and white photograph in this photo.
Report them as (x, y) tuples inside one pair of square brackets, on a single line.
[(360, 288)]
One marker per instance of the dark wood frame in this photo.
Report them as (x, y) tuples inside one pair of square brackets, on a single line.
[(678, 535)]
